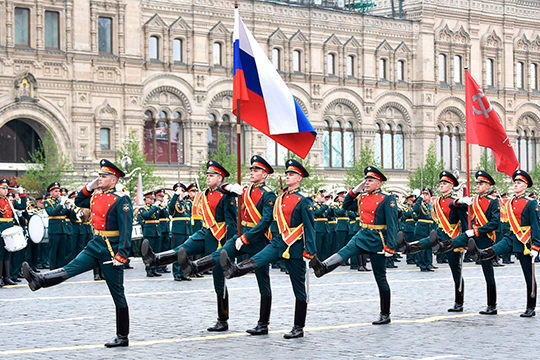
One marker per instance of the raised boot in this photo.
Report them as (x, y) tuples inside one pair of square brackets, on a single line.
[(442, 247), (122, 328), (231, 270), (531, 303), (326, 266), (479, 254), (491, 308), (37, 281), (191, 268), (459, 296), (264, 317), (152, 259), (300, 312), (384, 316), (223, 314)]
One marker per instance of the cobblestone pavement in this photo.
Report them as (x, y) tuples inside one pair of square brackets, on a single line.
[(169, 319)]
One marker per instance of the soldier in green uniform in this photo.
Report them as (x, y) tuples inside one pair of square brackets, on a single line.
[(218, 209), (258, 205), (342, 227), (149, 215), (57, 226), (409, 223), (112, 218), (164, 241), (296, 244), (320, 211), (424, 226), (181, 225), (377, 236)]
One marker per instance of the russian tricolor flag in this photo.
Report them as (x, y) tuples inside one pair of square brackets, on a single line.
[(266, 102)]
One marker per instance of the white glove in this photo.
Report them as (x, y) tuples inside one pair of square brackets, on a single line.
[(117, 263), (234, 188), (67, 206), (157, 203), (238, 244), (91, 186), (466, 201), (179, 191), (359, 187), (387, 254), (21, 190), (534, 254), (63, 200), (469, 233), (329, 202)]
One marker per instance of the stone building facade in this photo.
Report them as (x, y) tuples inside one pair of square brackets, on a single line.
[(95, 70)]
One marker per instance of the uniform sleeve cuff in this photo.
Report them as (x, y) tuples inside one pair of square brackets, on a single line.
[(535, 247), (244, 239), (222, 187), (22, 195), (308, 255), (86, 192), (389, 250), (352, 194), (120, 258), (476, 232)]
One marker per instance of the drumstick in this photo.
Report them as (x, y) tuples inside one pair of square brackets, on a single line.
[(111, 261)]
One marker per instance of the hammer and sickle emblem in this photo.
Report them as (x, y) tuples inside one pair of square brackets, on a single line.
[(478, 97)]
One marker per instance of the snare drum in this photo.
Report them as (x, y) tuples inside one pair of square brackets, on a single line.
[(14, 239), (136, 233), (38, 227)]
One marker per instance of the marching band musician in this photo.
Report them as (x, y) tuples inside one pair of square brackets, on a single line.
[(379, 225), (149, 217), (424, 226), (181, 225), (57, 226), (112, 219), (523, 237), (320, 210), (164, 241), (68, 226), (6, 222), (293, 212), (409, 224), (219, 219)]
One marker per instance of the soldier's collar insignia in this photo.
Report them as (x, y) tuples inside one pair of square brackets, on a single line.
[(125, 207)]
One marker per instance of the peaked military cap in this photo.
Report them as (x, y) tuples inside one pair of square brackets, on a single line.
[(293, 165), (523, 176), (150, 194), (259, 162), (39, 198), (54, 185), (213, 167), (412, 196), (532, 195), (482, 176), (192, 186), (108, 168), (428, 190), (341, 191), (448, 177), (159, 192), (177, 185), (63, 191), (374, 173), (4, 183), (72, 194)]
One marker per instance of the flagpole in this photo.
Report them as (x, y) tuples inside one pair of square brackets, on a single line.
[(468, 191), (238, 152)]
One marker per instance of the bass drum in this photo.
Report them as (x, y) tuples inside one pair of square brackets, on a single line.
[(38, 226), (14, 239)]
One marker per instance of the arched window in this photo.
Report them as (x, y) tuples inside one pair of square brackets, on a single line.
[(177, 50), (388, 145), (331, 66), (442, 68), (526, 149), (223, 131), (457, 70), (216, 52), (17, 141), (519, 75), (296, 61), (153, 46), (275, 153), (400, 70), (382, 69), (348, 145), (338, 145), (448, 146), (276, 61), (489, 72), (534, 77), (350, 65), (163, 138)]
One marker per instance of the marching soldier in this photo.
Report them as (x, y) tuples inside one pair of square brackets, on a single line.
[(523, 237), (149, 217), (218, 207), (112, 219), (298, 242), (409, 224), (504, 226), (320, 211), (57, 226), (377, 236), (181, 225), (195, 204), (7, 221), (424, 226), (164, 225), (450, 214), (342, 224)]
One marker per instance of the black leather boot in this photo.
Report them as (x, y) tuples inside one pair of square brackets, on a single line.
[(442, 247), (479, 254), (37, 281), (491, 308), (264, 317), (122, 328), (384, 316), (328, 265), (223, 314), (2, 273), (459, 296), (300, 313), (191, 268), (152, 259), (7, 274), (531, 303), (231, 270)]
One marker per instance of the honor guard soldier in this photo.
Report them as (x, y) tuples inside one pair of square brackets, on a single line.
[(424, 226), (195, 196), (149, 215), (7, 221), (342, 225), (181, 225), (218, 209), (377, 236), (320, 212), (257, 210), (112, 219), (409, 223), (69, 228), (293, 212), (523, 237), (57, 226), (164, 226), (450, 214)]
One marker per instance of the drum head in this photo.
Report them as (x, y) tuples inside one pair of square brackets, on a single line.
[(36, 228)]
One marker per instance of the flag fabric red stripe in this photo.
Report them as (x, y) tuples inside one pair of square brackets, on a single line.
[(485, 129)]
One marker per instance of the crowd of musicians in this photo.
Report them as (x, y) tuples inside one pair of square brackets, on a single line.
[(196, 231)]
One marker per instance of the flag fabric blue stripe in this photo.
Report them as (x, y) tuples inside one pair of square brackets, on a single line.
[(251, 73)]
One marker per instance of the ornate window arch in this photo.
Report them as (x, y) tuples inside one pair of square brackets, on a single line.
[(220, 40), (456, 48), (492, 52), (389, 143), (338, 140), (222, 125), (299, 43), (333, 50), (450, 136), (180, 40), (527, 132)]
